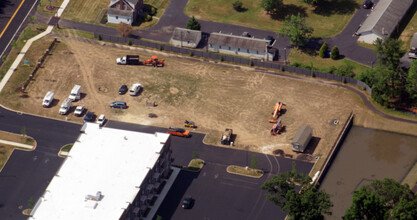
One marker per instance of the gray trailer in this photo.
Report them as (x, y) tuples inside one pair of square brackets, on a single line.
[(301, 138)]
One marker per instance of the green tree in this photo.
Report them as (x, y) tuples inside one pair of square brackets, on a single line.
[(334, 54), (193, 24), (296, 28), (312, 2), (308, 203), (238, 6), (323, 50), (411, 85), (271, 6), (344, 70), (389, 52), (383, 199)]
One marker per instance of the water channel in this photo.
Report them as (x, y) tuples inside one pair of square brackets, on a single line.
[(367, 155)]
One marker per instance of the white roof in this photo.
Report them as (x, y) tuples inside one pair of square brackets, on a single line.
[(108, 160)]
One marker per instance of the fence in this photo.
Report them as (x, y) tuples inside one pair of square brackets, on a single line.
[(38, 65), (233, 59)]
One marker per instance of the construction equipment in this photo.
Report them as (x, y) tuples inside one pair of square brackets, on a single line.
[(227, 136), (276, 112), (178, 132), (154, 62), (277, 128), (128, 60), (189, 124)]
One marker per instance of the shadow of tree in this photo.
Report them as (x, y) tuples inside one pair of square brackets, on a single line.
[(4, 4), (330, 7), (288, 10)]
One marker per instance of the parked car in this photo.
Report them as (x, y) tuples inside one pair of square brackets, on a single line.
[(367, 4), (101, 120), (134, 89), (123, 90), (89, 117), (118, 104), (187, 202), (79, 110)]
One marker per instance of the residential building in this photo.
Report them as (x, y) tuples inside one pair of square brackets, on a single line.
[(182, 37), (251, 47), (108, 174), (123, 11), (384, 20)]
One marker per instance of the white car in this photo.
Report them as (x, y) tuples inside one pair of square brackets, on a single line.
[(101, 120), (79, 110)]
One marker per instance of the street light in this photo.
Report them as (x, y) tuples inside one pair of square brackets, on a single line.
[(285, 56)]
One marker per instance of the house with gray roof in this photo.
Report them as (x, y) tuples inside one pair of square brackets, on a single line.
[(254, 48), (384, 20), (182, 37), (123, 11)]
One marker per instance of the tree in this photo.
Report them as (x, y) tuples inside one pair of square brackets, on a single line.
[(238, 6), (308, 203), (193, 24), (124, 29), (411, 85), (323, 50), (271, 6), (389, 52), (334, 54), (344, 70), (296, 29), (383, 199), (312, 2)]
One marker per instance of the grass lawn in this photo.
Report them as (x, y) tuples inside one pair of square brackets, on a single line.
[(196, 164), (67, 147), (245, 171), (91, 11), (408, 32), (323, 64), (43, 4), (29, 32), (327, 20)]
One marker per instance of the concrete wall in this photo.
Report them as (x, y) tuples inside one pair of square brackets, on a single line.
[(117, 19)]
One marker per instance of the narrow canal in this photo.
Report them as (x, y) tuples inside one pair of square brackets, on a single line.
[(367, 155)]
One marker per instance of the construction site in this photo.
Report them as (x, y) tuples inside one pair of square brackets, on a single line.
[(264, 111)]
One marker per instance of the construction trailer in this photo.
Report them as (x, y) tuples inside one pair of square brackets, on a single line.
[(227, 136), (301, 138)]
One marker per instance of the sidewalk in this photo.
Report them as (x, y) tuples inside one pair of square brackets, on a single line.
[(26, 146)]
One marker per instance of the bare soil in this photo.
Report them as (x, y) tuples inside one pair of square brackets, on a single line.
[(214, 96)]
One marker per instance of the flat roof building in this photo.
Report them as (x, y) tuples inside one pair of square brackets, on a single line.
[(108, 174)]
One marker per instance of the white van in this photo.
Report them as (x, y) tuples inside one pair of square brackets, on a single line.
[(65, 106), (134, 89), (75, 93), (47, 100)]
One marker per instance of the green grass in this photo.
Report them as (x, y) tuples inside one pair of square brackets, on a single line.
[(44, 3), (327, 20), (323, 64), (196, 164), (245, 171), (67, 148), (369, 46), (408, 32), (29, 32)]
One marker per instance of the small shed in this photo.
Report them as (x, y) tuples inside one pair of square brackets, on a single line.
[(413, 44), (301, 138), (185, 38)]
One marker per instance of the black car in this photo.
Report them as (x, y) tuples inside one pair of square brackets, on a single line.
[(118, 104), (187, 202), (123, 90), (271, 40), (90, 117), (367, 4)]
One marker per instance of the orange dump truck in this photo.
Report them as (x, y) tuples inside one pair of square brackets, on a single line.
[(178, 132)]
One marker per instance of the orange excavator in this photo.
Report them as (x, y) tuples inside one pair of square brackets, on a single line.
[(276, 128), (154, 62), (276, 112)]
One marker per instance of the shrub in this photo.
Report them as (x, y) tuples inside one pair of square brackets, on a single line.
[(323, 50), (250, 62), (129, 42), (147, 18), (193, 24), (238, 6), (191, 53), (344, 80), (313, 74), (153, 11), (221, 58), (282, 69), (14, 43), (99, 37), (160, 47), (3, 58), (335, 53)]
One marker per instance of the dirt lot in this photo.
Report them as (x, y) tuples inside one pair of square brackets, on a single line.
[(214, 96)]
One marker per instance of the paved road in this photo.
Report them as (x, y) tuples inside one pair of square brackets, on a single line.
[(7, 9), (27, 174)]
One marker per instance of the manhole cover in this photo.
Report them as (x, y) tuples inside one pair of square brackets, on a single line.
[(334, 122)]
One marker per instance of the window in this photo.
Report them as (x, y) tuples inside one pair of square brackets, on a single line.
[(117, 17), (230, 48), (128, 19), (247, 50), (238, 49), (257, 52), (220, 47)]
